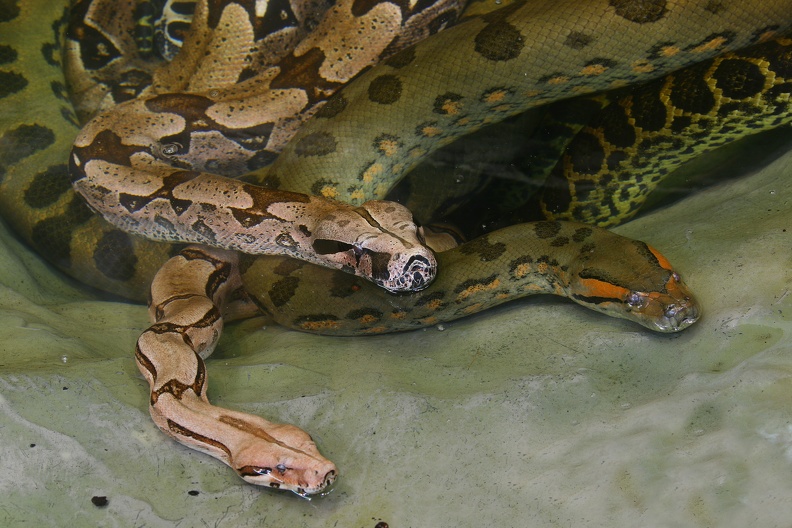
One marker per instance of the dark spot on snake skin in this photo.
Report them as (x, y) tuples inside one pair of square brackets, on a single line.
[(313, 320), (615, 126), (304, 230), (581, 234), (287, 266), (385, 89), (282, 291), (648, 111), (586, 154), (68, 115), (518, 263), (499, 41), (434, 298), (316, 144), (401, 59), (24, 141), (577, 40), (386, 144), (560, 241), (9, 10), (690, 91), (364, 315), (285, 240), (319, 186), (640, 11), (46, 187), (262, 158), (481, 246), (714, 6), (11, 83), (472, 283), (50, 53), (59, 90), (115, 256), (446, 104), (52, 236), (334, 106), (216, 280), (7, 54), (546, 229), (738, 79)]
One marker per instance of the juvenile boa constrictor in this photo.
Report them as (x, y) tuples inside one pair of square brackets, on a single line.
[(498, 39)]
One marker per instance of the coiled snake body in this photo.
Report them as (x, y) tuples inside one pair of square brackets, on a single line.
[(354, 149)]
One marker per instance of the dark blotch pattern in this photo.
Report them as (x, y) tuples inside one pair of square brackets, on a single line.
[(640, 11), (9, 10), (577, 40), (114, 255), (482, 247), (11, 83), (401, 59), (739, 79), (499, 41), (547, 229), (46, 187), (690, 91), (385, 89), (7, 54), (332, 108), (316, 144), (442, 101), (24, 141), (283, 290)]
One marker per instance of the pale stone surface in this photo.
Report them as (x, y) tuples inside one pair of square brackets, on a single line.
[(538, 413)]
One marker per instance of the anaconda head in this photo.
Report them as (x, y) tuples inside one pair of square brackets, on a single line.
[(378, 241), (632, 280)]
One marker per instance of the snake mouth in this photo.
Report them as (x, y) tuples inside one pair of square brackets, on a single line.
[(677, 317), (416, 274)]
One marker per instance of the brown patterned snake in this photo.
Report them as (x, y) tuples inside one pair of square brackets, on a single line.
[(346, 153)]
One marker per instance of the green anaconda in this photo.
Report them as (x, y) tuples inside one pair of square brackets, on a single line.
[(354, 149)]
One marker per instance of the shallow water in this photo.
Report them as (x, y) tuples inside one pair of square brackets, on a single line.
[(535, 413)]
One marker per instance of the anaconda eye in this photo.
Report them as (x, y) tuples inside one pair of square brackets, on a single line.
[(635, 299), (281, 468)]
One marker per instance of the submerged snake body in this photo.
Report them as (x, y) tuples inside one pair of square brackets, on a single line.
[(494, 73)]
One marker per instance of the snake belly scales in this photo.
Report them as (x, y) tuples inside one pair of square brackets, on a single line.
[(342, 154)]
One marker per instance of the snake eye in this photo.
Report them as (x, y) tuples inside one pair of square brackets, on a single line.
[(635, 299), (675, 276), (170, 149), (281, 468)]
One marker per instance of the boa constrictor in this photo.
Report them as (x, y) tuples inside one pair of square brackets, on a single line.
[(495, 41)]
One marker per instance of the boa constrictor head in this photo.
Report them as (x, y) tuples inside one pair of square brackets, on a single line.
[(291, 462), (632, 280), (377, 240)]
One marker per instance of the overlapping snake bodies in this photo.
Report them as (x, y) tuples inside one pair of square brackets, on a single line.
[(358, 145)]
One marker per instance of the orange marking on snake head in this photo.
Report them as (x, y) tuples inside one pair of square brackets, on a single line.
[(660, 258), (606, 290)]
